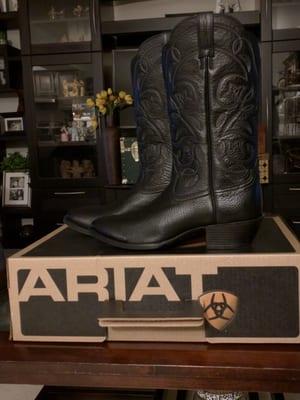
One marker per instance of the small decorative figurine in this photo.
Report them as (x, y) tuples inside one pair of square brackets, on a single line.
[(227, 6), (65, 169), (82, 130), (75, 88), (88, 169), (73, 132), (64, 134), (77, 169), (220, 6), (81, 88), (78, 11), (53, 14), (65, 88)]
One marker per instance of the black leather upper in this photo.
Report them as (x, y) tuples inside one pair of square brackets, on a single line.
[(153, 135), (211, 72)]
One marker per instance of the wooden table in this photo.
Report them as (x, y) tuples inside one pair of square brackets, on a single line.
[(271, 368)]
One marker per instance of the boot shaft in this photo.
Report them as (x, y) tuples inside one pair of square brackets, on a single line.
[(153, 131), (211, 70)]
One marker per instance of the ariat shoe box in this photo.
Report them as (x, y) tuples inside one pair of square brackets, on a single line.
[(70, 287)]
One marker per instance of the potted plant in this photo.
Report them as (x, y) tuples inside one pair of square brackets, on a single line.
[(14, 162)]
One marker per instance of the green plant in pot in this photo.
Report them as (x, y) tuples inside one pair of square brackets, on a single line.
[(14, 162)]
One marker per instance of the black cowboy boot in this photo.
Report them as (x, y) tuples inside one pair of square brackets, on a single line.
[(211, 71), (153, 136)]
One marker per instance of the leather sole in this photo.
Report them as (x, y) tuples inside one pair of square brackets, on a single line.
[(230, 236)]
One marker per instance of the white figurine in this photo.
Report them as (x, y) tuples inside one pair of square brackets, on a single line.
[(220, 6), (73, 132), (227, 6)]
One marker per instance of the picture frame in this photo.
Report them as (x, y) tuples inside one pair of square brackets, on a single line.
[(3, 6), (13, 124), (12, 5), (16, 191)]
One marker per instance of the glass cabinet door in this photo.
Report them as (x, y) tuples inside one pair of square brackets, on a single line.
[(59, 22), (285, 14), (286, 115), (66, 129), (3, 72)]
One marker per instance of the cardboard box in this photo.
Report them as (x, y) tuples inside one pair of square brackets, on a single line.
[(70, 287)]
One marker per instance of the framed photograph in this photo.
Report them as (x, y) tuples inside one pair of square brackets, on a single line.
[(16, 190), (3, 6), (13, 124), (12, 5)]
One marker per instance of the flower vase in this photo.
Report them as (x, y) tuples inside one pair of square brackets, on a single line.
[(111, 146)]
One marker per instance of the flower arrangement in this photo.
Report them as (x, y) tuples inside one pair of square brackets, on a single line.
[(107, 101)]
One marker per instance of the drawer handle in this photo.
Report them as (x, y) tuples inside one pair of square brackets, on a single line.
[(59, 224), (294, 189), (296, 222), (68, 193)]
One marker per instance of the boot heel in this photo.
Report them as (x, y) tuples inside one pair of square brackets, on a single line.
[(233, 235)]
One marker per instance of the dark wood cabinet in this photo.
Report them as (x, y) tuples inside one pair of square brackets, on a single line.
[(51, 204), (64, 142), (52, 27), (67, 167), (280, 112), (10, 68)]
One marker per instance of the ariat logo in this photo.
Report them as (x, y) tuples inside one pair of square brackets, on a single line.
[(219, 308)]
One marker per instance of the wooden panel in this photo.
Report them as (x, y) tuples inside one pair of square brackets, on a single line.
[(273, 368), (59, 393)]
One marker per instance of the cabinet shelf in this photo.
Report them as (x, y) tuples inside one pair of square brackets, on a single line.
[(26, 211), (286, 34), (296, 137), (165, 23), (13, 136), (117, 187), (59, 99), (50, 144), (291, 88), (59, 20)]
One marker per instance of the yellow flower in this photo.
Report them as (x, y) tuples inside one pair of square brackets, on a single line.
[(103, 94), (129, 99), (122, 94), (109, 91), (90, 103), (100, 102), (94, 124), (103, 111), (112, 97)]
